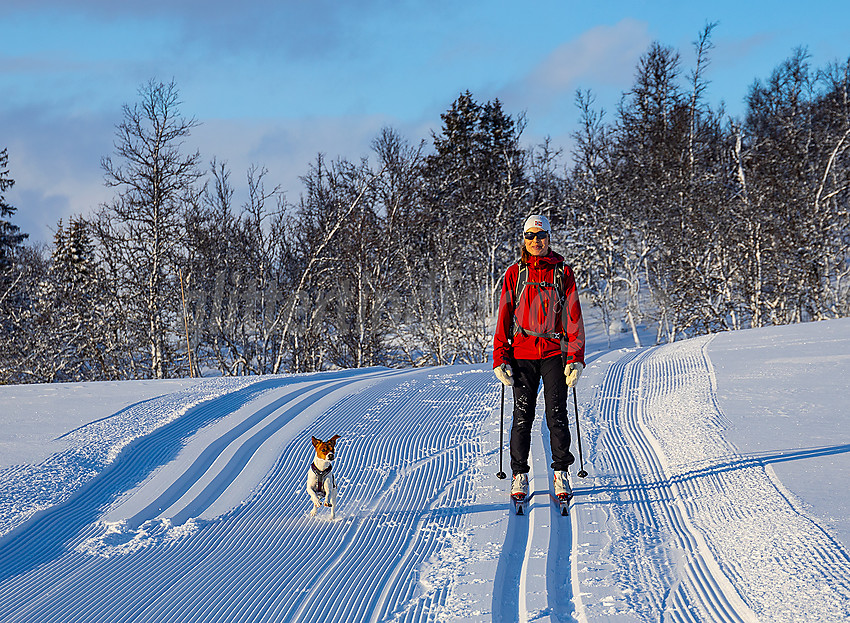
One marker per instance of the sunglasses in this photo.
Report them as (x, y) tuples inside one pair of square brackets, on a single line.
[(531, 235)]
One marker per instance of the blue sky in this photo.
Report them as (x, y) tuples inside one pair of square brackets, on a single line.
[(273, 83)]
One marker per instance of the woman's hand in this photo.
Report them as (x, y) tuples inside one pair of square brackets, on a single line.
[(504, 374), (573, 371)]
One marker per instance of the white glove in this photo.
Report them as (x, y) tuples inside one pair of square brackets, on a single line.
[(573, 372), (504, 374)]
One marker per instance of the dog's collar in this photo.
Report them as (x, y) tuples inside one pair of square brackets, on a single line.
[(321, 473)]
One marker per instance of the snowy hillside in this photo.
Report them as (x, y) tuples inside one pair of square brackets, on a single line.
[(716, 493)]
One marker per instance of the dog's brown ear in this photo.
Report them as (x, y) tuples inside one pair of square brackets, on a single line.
[(333, 439), (316, 442)]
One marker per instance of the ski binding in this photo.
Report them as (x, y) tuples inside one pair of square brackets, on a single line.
[(563, 501), (519, 501)]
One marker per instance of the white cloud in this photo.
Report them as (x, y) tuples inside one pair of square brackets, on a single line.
[(601, 58), (603, 54), (55, 162)]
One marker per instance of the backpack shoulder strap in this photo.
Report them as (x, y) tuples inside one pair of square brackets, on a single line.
[(558, 278), (521, 279)]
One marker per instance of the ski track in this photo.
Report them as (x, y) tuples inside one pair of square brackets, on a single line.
[(745, 519), (192, 507), (694, 525), (403, 469), (658, 548), (537, 546)]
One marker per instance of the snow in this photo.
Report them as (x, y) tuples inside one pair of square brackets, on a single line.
[(715, 493), (37, 415)]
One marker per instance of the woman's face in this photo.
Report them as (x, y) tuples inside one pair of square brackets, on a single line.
[(537, 246)]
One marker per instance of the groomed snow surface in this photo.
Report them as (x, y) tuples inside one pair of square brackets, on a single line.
[(717, 492)]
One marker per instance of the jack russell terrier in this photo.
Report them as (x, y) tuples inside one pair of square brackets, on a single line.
[(321, 484)]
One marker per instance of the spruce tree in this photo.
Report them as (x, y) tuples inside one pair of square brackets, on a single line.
[(475, 193), (11, 237)]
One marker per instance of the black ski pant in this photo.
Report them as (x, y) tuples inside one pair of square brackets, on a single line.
[(527, 374)]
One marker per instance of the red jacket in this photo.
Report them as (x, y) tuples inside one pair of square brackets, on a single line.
[(539, 310)]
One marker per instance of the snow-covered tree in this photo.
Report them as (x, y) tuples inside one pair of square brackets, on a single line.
[(16, 284), (80, 339), (11, 237), (603, 237), (142, 229), (398, 202), (238, 275), (343, 252), (475, 193), (795, 162)]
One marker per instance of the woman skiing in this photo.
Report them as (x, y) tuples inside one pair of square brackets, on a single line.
[(539, 335)]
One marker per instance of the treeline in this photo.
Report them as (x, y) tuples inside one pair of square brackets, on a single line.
[(674, 216), (717, 223)]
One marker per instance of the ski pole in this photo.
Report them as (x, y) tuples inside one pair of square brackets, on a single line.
[(581, 472), (501, 474)]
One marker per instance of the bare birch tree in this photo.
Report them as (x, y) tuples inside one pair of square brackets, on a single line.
[(142, 227)]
